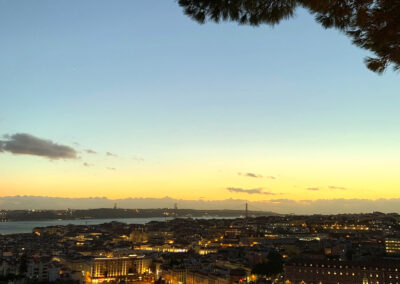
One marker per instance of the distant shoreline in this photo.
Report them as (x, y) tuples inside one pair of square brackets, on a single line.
[(122, 218), (109, 213), (27, 227)]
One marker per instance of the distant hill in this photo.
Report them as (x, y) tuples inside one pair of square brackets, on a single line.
[(107, 213), (285, 206)]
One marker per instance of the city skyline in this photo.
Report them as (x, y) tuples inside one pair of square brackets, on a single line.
[(279, 206), (135, 100)]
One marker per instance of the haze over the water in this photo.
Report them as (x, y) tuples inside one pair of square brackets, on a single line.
[(283, 206), (132, 99)]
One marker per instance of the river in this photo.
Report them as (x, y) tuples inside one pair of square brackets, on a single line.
[(21, 227)]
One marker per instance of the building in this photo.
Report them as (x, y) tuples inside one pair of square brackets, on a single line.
[(112, 268), (175, 275), (43, 270), (334, 272), (197, 277), (392, 246)]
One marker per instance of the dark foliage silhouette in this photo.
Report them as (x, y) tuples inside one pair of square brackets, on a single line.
[(371, 24), (273, 266)]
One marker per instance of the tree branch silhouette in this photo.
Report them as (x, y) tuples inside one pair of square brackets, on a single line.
[(373, 25)]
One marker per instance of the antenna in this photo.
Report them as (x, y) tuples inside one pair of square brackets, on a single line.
[(176, 209)]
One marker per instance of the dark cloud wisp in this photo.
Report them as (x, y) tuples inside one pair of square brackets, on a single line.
[(313, 188), (271, 177), (27, 144), (253, 175), (249, 191), (111, 154)]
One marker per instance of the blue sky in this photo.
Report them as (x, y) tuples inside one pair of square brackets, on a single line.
[(140, 78)]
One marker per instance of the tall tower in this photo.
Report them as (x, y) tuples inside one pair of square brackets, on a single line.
[(115, 205), (176, 209), (247, 210)]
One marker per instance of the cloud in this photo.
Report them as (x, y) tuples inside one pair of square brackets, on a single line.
[(87, 164), (249, 191), (253, 175), (313, 188), (281, 200), (337, 187), (138, 159), (111, 169), (111, 154), (330, 187), (26, 144), (90, 151)]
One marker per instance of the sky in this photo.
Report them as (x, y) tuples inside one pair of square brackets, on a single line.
[(132, 99)]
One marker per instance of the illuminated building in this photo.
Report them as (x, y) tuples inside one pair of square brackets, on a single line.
[(392, 246), (109, 269), (142, 265), (333, 272), (205, 278), (175, 275)]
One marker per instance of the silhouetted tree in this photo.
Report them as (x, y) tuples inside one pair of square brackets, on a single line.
[(273, 265), (371, 24)]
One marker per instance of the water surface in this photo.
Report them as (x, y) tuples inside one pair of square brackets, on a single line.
[(21, 227)]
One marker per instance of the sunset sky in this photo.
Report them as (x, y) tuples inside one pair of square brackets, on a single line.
[(149, 103)]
